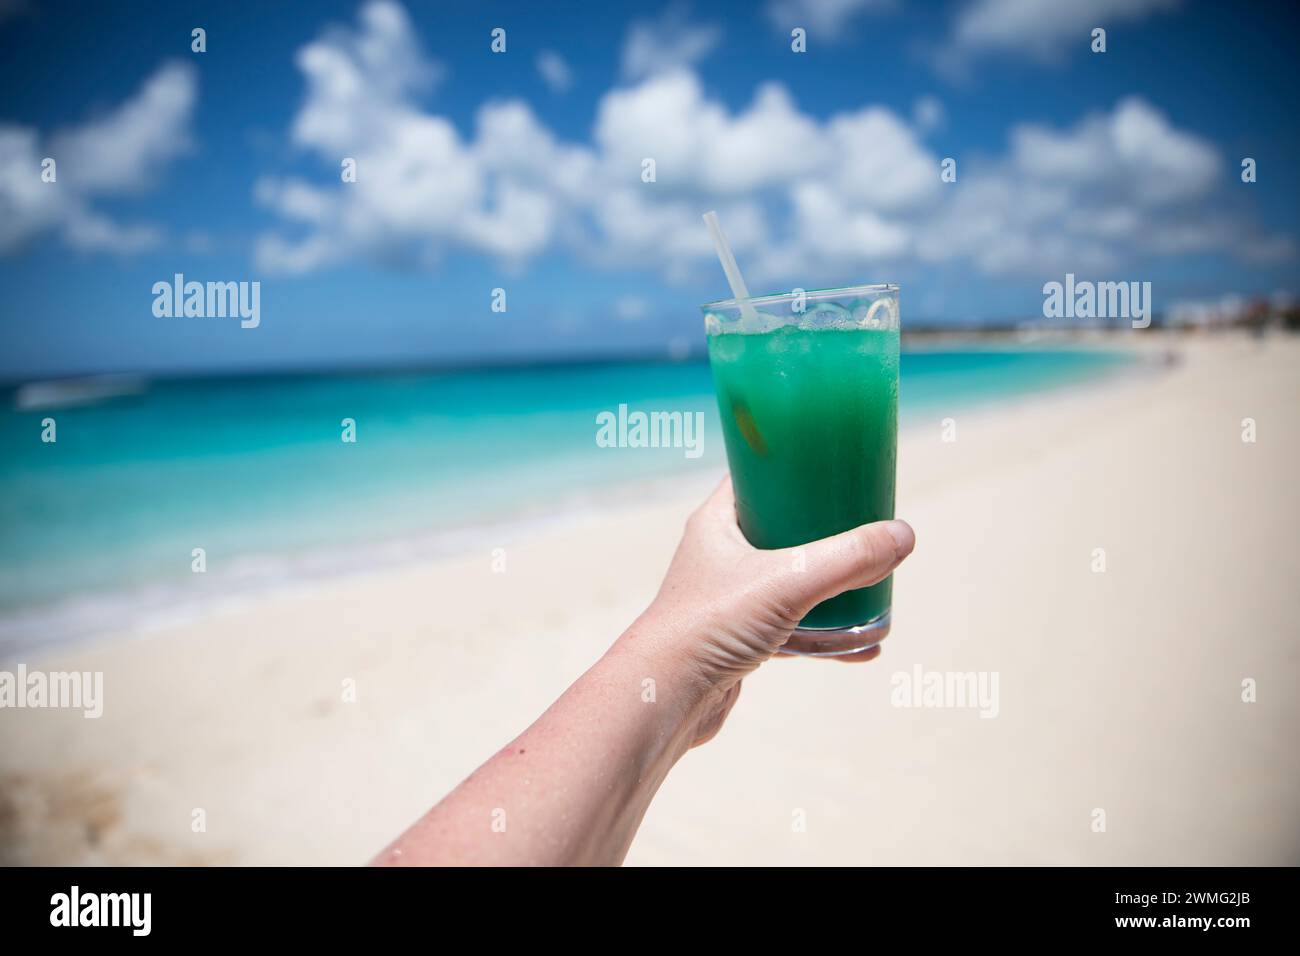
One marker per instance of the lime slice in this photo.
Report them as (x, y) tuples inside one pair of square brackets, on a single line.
[(745, 422)]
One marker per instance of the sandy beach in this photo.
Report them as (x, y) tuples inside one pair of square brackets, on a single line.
[(1118, 690)]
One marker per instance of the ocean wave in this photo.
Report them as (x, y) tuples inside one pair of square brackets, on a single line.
[(139, 611), (75, 392)]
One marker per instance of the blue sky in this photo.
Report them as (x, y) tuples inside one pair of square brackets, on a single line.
[(522, 170)]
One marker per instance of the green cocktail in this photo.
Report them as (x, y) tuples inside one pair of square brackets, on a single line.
[(808, 396)]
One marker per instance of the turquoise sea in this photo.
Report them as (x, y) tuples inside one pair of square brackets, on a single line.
[(253, 470)]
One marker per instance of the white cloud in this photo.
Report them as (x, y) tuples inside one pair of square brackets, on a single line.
[(27, 205), (827, 226), (554, 71), (359, 82), (826, 19), (1134, 150), (91, 232), (1113, 189), (666, 44), (420, 187), (1040, 30), (802, 198), (928, 114), (696, 143), (125, 151), (511, 141), (1165, 164), (634, 229), (878, 160)]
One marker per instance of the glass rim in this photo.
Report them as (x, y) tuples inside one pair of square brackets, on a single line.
[(809, 294)]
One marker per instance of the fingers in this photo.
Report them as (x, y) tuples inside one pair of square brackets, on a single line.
[(856, 558)]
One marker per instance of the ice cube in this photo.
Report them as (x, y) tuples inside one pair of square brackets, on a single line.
[(826, 315)]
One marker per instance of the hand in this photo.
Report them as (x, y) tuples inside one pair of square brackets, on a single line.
[(577, 783), (726, 606)]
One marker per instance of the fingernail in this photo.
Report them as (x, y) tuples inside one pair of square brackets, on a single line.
[(904, 538)]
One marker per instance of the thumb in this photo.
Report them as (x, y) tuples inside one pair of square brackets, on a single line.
[(855, 558)]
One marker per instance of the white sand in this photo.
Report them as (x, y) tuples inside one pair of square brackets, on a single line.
[(1118, 690)]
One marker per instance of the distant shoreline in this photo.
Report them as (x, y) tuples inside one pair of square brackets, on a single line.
[(922, 336)]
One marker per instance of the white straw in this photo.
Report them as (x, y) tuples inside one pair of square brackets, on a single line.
[(734, 278)]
